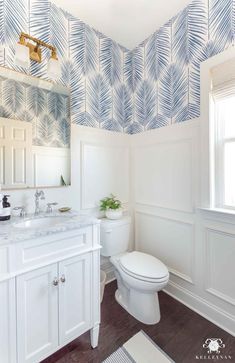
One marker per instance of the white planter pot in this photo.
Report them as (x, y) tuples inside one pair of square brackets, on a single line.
[(113, 213)]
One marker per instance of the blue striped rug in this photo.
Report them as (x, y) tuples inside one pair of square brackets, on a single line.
[(139, 349)]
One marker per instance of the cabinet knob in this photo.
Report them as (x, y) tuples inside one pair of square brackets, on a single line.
[(62, 279), (56, 281)]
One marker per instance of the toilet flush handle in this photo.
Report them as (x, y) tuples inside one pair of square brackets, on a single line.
[(108, 231)]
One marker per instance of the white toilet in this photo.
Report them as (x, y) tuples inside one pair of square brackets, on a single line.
[(139, 276)]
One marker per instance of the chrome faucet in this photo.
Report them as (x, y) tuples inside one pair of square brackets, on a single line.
[(39, 194)]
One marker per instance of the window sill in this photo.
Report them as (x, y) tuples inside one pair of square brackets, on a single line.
[(229, 212), (219, 214)]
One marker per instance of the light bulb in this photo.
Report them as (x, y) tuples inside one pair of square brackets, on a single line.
[(54, 68), (22, 56)]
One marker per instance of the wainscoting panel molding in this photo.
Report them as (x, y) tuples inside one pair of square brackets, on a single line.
[(220, 267), (168, 240), (108, 167), (163, 175)]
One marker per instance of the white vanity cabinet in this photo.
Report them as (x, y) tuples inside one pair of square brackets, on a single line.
[(53, 306), (37, 314), (7, 321), (74, 291), (53, 297)]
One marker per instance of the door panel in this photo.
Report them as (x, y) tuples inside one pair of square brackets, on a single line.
[(74, 297), (37, 314)]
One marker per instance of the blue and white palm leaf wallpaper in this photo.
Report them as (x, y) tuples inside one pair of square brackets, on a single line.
[(83, 45), (110, 61), (122, 105), (189, 32), (63, 132), (78, 93), (99, 99), (172, 58), (59, 31), (39, 19), (173, 90), (32, 104), (56, 105), (222, 22), (39, 27), (13, 97), (137, 67), (15, 14), (153, 85), (158, 52), (145, 103), (36, 100), (45, 131)]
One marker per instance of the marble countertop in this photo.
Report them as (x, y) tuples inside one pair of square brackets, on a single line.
[(10, 233)]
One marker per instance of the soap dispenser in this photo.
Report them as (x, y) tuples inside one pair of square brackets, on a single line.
[(5, 211)]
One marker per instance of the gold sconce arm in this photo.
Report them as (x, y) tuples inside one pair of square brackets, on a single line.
[(34, 49)]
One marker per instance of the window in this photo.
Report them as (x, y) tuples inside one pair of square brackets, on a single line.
[(224, 146)]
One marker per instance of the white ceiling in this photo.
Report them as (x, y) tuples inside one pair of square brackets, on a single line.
[(128, 22)]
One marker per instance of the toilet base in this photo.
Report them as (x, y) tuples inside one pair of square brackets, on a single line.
[(150, 315)]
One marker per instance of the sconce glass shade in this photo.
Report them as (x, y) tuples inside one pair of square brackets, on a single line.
[(54, 69), (22, 56)]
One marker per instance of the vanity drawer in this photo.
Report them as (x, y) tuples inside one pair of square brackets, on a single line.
[(40, 250)]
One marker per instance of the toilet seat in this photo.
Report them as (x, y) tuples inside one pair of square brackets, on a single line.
[(144, 267)]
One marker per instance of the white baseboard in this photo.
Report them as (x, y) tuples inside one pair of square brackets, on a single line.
[(110, 275), (202, 307)]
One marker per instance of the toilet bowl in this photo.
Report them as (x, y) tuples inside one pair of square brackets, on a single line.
[(139, 275)]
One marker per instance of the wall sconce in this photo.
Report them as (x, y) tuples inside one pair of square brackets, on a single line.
[(25, 51)]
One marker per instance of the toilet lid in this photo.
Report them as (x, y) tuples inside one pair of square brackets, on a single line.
[(143, 265)]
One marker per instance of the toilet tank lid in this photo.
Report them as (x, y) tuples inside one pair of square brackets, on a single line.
[(142, 264), (105, 222)]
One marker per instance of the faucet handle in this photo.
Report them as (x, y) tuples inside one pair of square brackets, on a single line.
[(22, 211), (39, 194), (49, 207)]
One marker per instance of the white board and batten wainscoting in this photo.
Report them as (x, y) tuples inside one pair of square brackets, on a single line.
[(100, 166), (157, 174)]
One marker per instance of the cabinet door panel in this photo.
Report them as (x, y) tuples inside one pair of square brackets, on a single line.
[(75, 296), (7, 322), (37, 314)]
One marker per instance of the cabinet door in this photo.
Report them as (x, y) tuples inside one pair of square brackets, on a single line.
[(7, 322), (37, 314), (74, 297)]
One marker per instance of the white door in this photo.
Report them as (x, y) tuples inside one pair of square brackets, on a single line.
[(74, 297), (37, 314), (7, 322), (15, 153)]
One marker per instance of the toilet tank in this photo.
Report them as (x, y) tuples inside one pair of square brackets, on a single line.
[(114, 236)]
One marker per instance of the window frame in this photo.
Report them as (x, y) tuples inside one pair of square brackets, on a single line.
[(220, 142)]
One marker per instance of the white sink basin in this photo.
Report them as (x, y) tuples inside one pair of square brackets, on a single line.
[(44, 222)]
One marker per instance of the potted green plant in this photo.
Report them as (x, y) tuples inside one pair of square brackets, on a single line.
[(112, 207)]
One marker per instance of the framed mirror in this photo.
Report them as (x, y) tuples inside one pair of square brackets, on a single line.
[(35, 130)]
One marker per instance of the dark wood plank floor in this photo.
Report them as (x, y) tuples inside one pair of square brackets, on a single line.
[(180, 333)]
